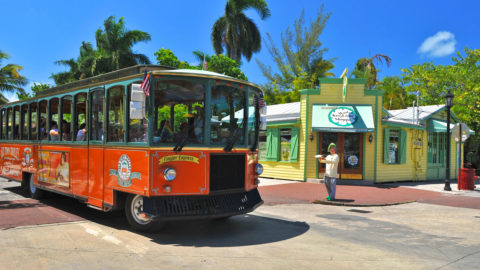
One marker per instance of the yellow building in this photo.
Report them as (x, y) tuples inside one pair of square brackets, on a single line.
[(373, 144)]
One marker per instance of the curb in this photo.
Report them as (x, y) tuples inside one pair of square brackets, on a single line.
[(359, 205)]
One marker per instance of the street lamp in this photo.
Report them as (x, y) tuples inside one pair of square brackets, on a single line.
[(448, 103)]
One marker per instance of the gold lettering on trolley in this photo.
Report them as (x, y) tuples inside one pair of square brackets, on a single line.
[(178, 158)]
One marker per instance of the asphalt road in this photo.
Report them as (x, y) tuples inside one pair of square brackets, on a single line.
[(281, 236)]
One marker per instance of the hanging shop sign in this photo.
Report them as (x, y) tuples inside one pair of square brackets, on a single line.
[(342, 116)]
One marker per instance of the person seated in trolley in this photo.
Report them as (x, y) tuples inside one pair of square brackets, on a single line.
[(81, 134), (164, 133), (66, 136), (198, 124), (54, 134), (43, 129)]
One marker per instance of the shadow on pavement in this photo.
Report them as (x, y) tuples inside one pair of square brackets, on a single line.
[(8, 205), (240, 230)]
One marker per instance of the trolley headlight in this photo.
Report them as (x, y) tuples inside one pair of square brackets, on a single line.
[(259, 169), (169, 174)]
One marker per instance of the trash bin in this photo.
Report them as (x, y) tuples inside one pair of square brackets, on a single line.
[(466, 180)]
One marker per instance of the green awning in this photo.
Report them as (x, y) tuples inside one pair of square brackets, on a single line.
[(342, 118), (434, 125)]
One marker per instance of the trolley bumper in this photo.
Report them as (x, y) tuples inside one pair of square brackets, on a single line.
[(202, 206)]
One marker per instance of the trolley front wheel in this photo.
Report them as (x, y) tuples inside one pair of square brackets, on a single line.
[(137, 218)]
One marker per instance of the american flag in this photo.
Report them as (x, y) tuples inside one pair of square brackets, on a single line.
[(204, 63), (146, 84), (262, 100)]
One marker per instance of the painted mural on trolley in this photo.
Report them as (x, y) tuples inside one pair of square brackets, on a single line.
[(54, 167), (27, 159), (11, 158)]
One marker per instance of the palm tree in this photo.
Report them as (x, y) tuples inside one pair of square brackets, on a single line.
[(10, 78), (365, 68), (116, 43), (394, 94), (114, 51), (236, 32)]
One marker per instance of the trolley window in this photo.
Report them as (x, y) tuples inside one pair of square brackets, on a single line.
[(116, 114), (179, 112)]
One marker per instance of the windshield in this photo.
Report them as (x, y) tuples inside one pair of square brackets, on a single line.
[(228, 112), (180, 114)]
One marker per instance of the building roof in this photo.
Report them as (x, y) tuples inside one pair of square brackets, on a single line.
[(407, 115), (283, 112)]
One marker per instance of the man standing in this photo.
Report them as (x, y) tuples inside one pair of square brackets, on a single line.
[(331, 162)]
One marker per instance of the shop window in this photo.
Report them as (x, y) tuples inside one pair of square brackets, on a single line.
[(437, 148), (282, 144), (262, 145), (285, 144), (395, 146)]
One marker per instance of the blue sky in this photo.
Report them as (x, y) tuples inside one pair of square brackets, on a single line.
[(37, 33)]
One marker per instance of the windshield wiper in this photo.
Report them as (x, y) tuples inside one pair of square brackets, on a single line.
[(235, 136), (181, 142)]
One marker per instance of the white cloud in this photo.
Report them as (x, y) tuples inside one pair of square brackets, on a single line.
[(439, 45), (11, 96)]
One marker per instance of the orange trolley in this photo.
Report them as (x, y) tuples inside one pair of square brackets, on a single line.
[(187, 149)]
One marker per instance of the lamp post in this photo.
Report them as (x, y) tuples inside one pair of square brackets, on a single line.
[(448, 103)]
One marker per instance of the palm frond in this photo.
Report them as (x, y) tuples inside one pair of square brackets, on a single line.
[(218, 33)]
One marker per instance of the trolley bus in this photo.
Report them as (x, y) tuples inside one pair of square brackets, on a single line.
[(185, 150)]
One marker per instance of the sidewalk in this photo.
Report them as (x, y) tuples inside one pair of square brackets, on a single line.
[(364, 193)]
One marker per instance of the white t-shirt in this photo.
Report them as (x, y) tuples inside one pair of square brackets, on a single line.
[(331, 165)]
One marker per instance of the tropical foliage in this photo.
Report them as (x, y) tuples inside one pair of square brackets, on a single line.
[(166, 57), (394, 94), (10, 78), (365, 68), (216, 63), (36, 88), (237, 33), (224, 65), (113, 51), (462, 79), (300, 61)]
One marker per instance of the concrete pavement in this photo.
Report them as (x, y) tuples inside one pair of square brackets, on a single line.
[(363, 193)]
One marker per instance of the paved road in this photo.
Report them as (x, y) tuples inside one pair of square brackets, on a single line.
[(275, 236)]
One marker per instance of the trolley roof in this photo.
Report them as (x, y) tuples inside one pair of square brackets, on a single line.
[(134, 71)]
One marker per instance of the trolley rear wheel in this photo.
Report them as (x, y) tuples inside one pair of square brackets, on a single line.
[(137, 218)]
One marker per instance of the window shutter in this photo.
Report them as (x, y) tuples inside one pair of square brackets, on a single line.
[(403, 146), (272, 144), (294, 145), (386, 139)]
